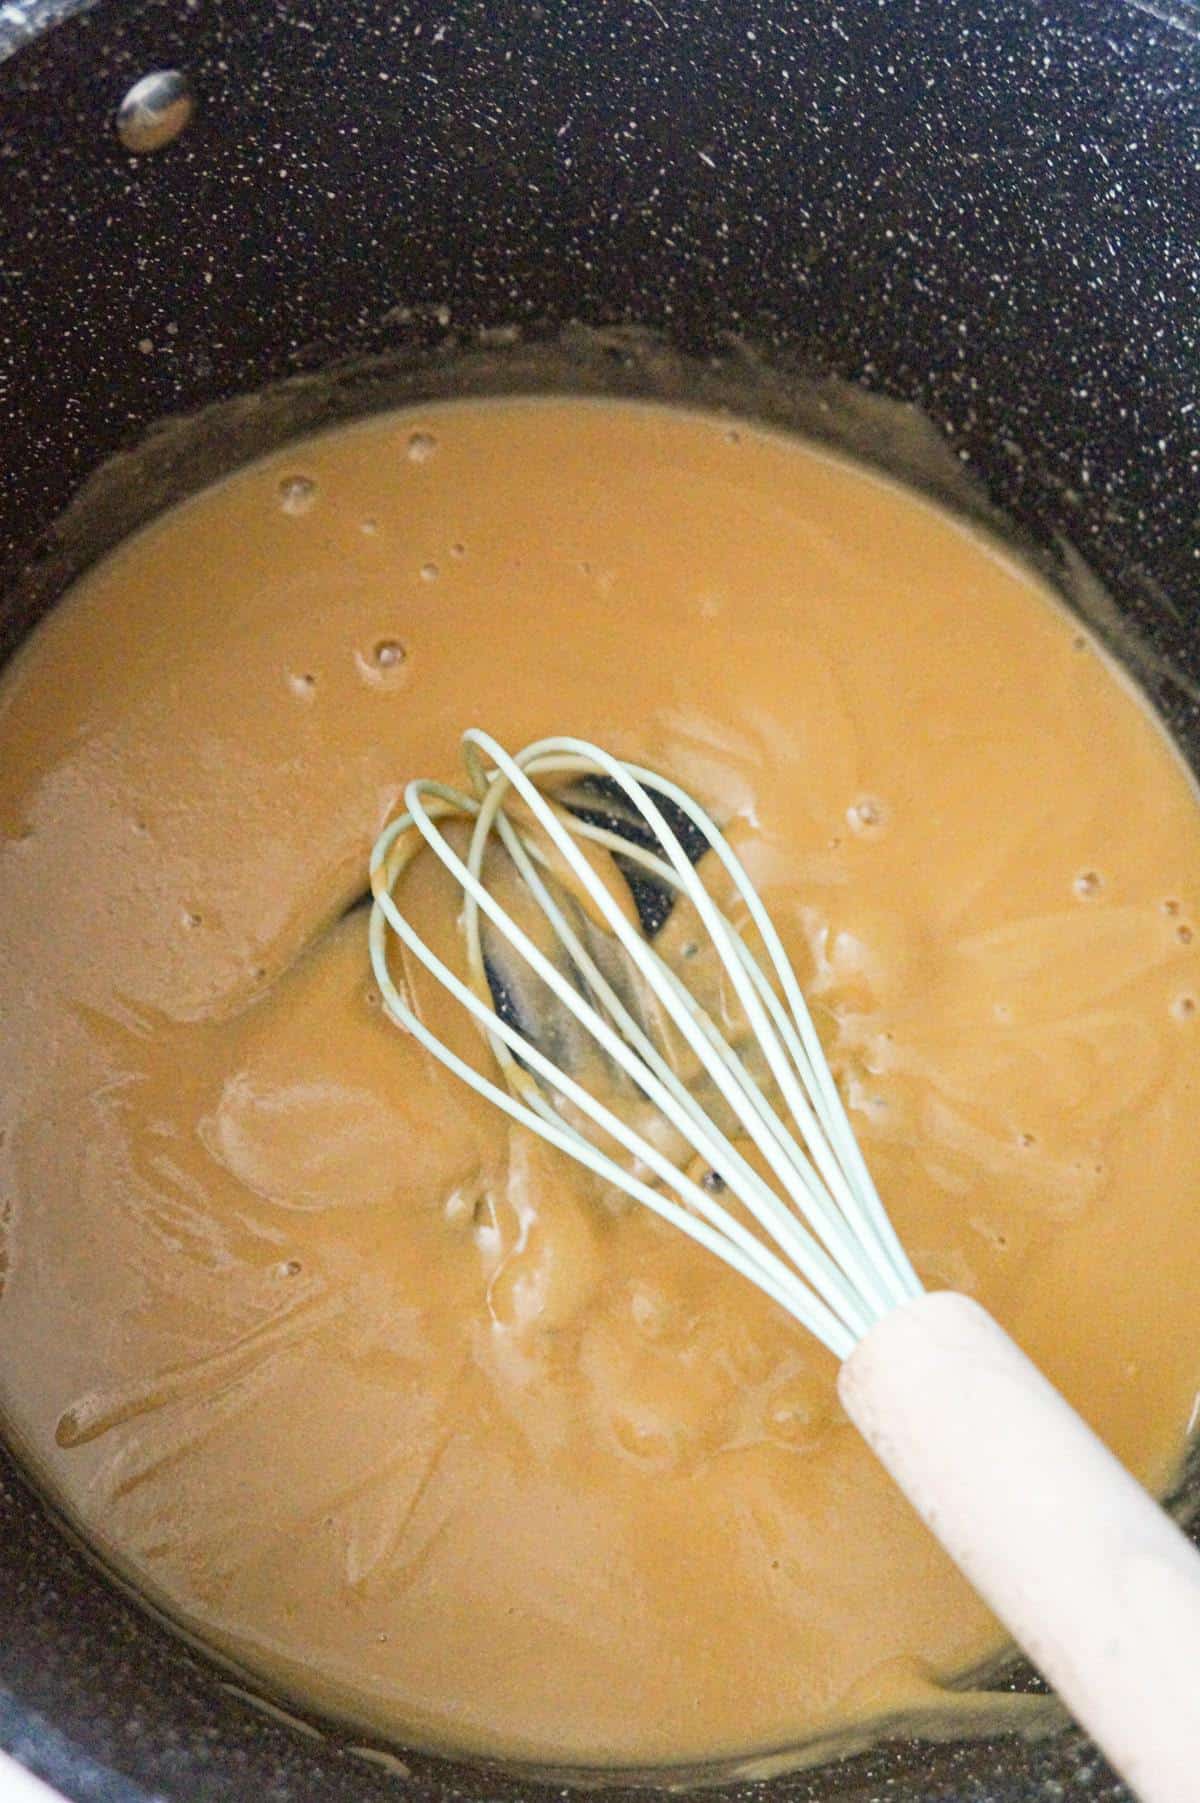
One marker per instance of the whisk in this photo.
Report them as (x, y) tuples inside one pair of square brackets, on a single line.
[(1092, 1578)]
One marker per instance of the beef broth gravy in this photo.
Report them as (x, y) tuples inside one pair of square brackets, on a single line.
[(387, 1402)]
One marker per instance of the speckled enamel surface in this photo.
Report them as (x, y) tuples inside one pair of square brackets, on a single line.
[(988, 207)]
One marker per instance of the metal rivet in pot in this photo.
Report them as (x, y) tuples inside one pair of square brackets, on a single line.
[(155, 110)]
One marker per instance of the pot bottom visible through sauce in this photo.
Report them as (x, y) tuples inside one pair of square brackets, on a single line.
[(375, 1394)]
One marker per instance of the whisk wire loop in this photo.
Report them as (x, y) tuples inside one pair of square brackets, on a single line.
[(843, 1164), (749, 1104), (778, 1220), (713, 1229), (844, 1266)]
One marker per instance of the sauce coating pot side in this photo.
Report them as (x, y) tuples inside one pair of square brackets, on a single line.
[(983, 209)]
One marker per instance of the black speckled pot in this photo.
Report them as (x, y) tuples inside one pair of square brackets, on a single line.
[(988, 207)]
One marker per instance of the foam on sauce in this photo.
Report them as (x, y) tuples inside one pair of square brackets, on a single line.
[(388, 1403)]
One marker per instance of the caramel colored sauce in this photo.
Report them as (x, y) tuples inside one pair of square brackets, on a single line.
[(388, 1403)]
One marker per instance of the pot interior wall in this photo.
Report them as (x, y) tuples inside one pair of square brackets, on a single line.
[(985, 208)]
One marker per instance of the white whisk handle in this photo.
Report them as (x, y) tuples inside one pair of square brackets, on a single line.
[(1090, 1576)]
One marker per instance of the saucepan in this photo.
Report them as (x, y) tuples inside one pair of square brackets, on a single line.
[(985, 210)]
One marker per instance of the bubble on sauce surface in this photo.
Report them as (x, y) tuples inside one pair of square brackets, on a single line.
[(383, 661), (1183, 1007), (458, 549), (429, 572), (797, 1412), (1171, 906), (369, 528), (302, 684), (421, 447), (1184, 933), (1088, 884), (867, 817), (297, 494), (461, 1207)]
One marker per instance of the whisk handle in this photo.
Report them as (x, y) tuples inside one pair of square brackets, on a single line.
[(1088, 1573)]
